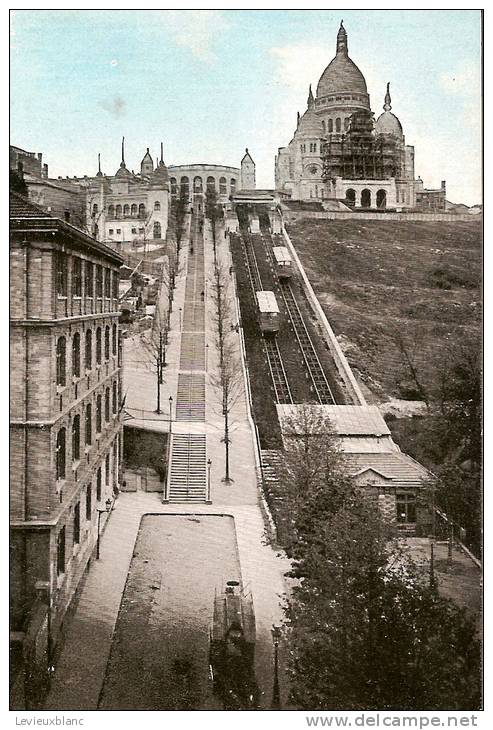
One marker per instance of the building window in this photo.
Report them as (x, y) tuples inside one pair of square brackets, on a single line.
[(115, 397), (346, 124), (126, 210), (330, 126), (89, 279), (323, 126), (141, 231), (107, 283), (366, 198), (88, 502), (76, 438), (142, 210), (351, 197), (118, 231), (61, 361), (99, 415), (406, 508), (157, 205), (184, 187), (88, 428), (61, 274), (114, 339), (172, 182), (107, 470), (94, 209), (111, 231), (111, 211), (338, 124), (88, 349), (118, 211), (99, 281), (107, 343), (76, 277), (114, 283), (232, 185), (222, 186), (60, 552), (107, 404), (98, 346), (98, 485), (156, 230), (76, 355), (77, 524), (133, 210), (134, 230), (60, 454), (211, 184), (381, 199), (197, 184)]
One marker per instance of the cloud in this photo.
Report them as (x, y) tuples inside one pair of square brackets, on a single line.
[(116, 106), (196, 30), (298, 65)]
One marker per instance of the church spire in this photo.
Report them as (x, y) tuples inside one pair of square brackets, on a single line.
[(387, 106), (341, 47), (310, 101), (99, 173), (161, 161), (122, 163)]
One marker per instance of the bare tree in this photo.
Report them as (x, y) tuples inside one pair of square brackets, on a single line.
[(408, 341), (154, 342), (227, 378)]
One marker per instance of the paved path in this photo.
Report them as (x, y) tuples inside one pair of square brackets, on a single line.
[(80, 672)]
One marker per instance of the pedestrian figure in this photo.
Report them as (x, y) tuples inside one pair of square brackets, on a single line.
[(191, 249), (202, 295)]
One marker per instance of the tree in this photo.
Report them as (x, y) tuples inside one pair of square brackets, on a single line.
[(366, 632), (213, 212), (179, 209), (311, 472), (227, 379)]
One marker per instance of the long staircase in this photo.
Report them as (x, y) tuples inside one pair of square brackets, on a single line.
[(187, 478), (187, 481)]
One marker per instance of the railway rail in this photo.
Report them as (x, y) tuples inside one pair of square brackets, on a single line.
[(271, 349), (312, 362)]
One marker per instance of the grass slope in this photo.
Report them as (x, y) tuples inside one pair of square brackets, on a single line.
[(377, 280)]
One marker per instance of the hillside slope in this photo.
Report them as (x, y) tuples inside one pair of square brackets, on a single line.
[(397, 294)]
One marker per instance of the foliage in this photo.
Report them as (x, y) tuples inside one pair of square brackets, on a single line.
[(365, 630)]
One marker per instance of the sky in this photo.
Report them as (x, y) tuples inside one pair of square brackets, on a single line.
[(209, 83)]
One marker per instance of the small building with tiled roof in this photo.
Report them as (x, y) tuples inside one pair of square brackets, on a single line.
[(373, 459)]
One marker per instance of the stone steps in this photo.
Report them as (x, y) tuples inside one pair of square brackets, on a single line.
[(190, 397), (188, 469)]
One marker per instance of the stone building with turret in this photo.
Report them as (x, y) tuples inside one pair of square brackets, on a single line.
[(340, 152)]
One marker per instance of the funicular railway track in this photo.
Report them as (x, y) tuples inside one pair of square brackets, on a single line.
[(312, 362), (276, 366), (315, 370)]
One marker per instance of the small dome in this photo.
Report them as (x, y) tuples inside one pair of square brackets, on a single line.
[(309, 126), (388, 123), (122, 171)]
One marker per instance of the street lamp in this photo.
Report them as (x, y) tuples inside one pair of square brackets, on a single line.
[(276, 696), (108, 507), (170, 407), (209, 465)]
